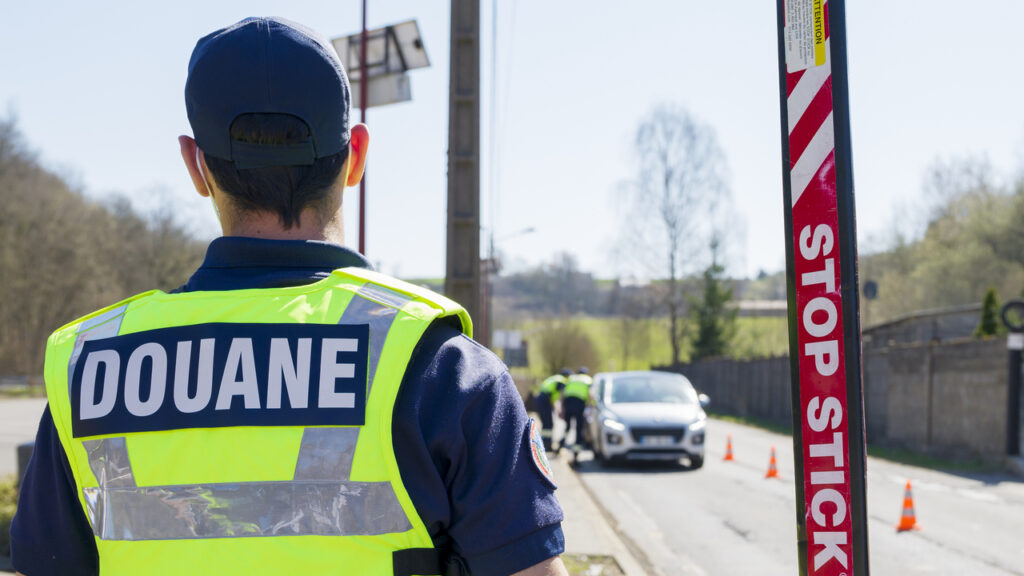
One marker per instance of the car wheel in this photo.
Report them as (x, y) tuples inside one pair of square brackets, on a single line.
[(696, 462), (604, 459)]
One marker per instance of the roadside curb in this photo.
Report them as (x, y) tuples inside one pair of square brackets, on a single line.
[(588, 527)]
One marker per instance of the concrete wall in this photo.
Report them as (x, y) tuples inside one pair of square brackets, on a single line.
[(945, 398), (925, 326)]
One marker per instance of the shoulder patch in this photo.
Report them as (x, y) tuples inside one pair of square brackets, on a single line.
[(540, 457)]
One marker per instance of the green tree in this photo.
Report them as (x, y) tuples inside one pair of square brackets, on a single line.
[(968, 242), (8, 506), (989, 324), (715, 319), (1003, 227)]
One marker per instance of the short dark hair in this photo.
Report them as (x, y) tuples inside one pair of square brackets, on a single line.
[(284, 190)]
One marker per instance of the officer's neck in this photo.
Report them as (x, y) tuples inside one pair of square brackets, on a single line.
[(311, 226)]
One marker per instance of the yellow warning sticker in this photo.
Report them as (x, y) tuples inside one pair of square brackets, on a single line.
[(819, 33), (804, 34)]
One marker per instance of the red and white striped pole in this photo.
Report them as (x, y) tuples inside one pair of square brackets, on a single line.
[(821, 250)]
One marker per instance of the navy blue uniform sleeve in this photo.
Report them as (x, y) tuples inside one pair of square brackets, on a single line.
[(50, 535), (462, 441)]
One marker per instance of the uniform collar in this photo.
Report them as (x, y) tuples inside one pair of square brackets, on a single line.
[(244, 252), (236, 262)]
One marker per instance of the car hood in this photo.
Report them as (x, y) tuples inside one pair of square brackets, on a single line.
[(655, 413)]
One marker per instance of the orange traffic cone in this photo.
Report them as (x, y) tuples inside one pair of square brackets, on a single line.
[(907, 521), (773, 470), (728, 449)]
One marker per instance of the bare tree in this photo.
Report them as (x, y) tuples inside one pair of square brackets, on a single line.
[(63, 255), (676, 197)]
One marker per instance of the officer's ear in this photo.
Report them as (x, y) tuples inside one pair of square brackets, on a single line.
[(356, 161), (191, 155)]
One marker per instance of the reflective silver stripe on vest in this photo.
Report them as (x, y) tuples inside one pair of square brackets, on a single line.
[(315, 502), (320, 500), (326, 453), (108, 458), (376, 306), (245, 510), (105, 325), (384, 295)]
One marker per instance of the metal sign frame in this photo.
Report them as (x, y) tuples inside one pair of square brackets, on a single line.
[(824, 321), (386, 46)]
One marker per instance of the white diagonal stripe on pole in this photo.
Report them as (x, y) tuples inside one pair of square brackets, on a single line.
[(807, 88), (813, 157)]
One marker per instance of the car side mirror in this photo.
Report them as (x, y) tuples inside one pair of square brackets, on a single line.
[(704, 400)]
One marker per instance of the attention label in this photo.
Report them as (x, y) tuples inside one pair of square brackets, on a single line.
[(805, 34)]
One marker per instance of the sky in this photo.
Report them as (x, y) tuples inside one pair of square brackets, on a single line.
[(97, 90)]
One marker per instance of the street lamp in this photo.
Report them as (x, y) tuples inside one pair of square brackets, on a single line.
[(523, 232)]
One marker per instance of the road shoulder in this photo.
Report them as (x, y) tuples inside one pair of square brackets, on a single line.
[(587, 528)]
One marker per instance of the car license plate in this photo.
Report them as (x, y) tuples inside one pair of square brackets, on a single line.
[(656, 440)]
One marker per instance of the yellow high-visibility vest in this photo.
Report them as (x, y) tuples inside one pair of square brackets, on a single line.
[(244, 431), (550, 385), (578, 386)]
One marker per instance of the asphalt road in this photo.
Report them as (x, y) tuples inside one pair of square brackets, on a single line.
[(19, 419), (726, 518)]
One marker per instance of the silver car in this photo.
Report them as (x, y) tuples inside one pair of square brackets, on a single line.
[(647, 416)]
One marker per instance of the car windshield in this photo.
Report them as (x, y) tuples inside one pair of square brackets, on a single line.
[(652, 388)]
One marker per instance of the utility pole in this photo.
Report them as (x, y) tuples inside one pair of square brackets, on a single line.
[(462, 269)]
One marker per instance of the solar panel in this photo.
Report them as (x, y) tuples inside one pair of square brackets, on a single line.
[(392, 49)]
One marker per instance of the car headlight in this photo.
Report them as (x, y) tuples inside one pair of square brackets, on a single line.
[(612, 424), (698, 425)]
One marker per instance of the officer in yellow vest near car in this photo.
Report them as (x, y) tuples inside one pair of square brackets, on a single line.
[(288, 410), (574, 402), (545, 399)]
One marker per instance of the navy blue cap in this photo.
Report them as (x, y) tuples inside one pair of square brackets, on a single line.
[(267, 65)]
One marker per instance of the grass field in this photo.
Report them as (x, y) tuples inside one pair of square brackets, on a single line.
[(33, 391), (755, 337)]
